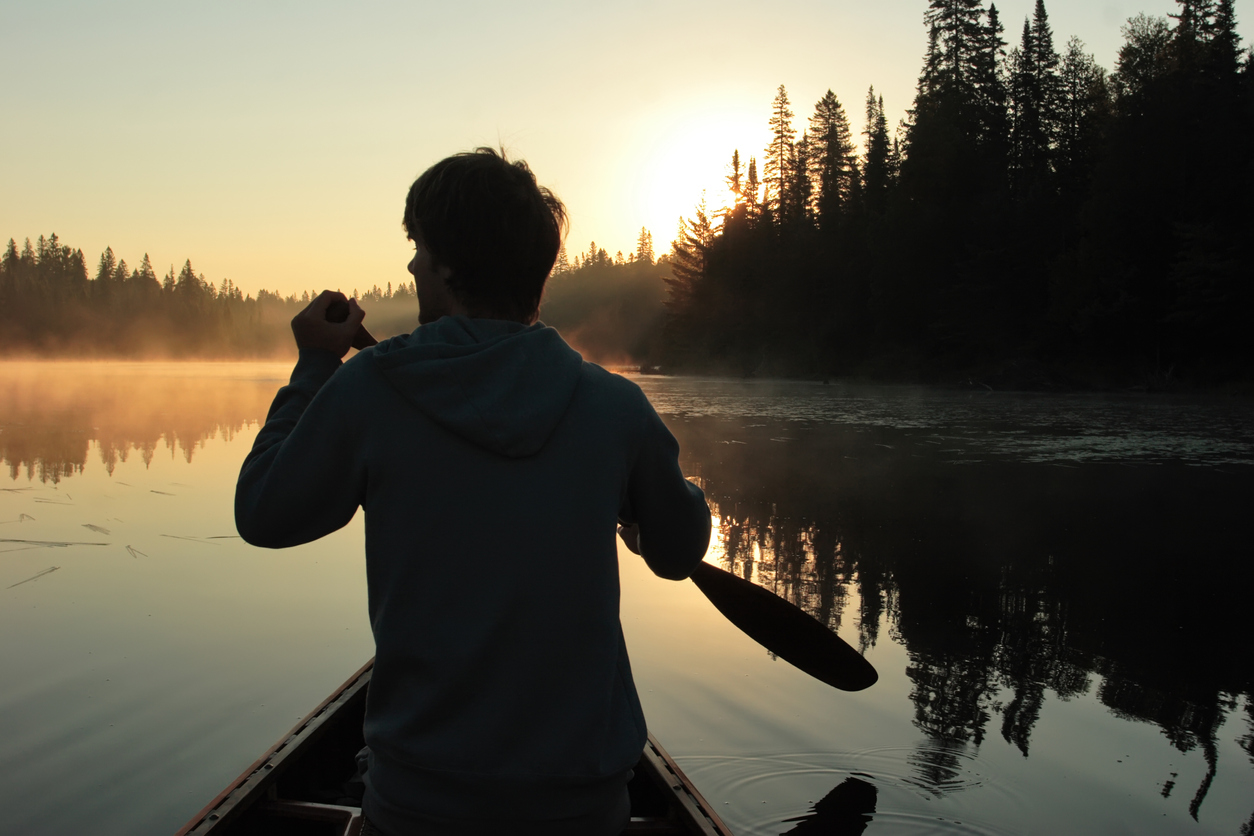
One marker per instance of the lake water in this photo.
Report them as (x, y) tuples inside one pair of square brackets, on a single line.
[(1052, 587)]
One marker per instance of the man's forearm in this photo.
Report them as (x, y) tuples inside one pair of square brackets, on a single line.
[(296, 484)]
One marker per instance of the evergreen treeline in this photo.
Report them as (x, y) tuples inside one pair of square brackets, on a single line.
[(1035, 220), (610, 309), (53, 307)]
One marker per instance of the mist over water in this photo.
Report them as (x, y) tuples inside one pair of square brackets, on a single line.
[(1053, 589)]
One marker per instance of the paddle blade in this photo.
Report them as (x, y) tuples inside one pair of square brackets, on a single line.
[(785, 630)]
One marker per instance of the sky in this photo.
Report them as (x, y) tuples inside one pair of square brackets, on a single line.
[(272, 143)]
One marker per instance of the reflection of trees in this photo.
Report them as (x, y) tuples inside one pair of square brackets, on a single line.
[(1189, 720), (50, 414), (1004, 582), (1247, 742)]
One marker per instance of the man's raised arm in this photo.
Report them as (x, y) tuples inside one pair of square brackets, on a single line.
[(305, 477)]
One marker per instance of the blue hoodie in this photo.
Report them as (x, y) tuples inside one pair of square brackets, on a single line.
[(493, 465)]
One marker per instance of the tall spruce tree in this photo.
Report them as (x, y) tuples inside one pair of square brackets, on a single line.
[(833, 160), (956, 36), (750, 192), (990, 92), (103, 286), (644, 246), (779, 155), (690, 253), (876, 168), (1224, 56), (105, 269), (1035, 103)]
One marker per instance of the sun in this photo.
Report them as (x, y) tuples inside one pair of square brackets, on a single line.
[(685, 156)]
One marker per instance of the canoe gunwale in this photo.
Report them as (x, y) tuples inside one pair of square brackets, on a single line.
[(255, 787), (256, 779), (690, 806)]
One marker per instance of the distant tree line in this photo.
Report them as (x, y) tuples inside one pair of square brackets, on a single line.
[(1034, 220), (53, 307), (610, 308)]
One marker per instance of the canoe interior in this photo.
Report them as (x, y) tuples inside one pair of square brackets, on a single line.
[(307, 784)]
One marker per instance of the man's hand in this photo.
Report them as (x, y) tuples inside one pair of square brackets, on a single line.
[(313, 328), (631, 536)]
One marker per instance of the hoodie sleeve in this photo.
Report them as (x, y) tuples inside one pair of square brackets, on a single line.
[(305, 475), (671, 512)]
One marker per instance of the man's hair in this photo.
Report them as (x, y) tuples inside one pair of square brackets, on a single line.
[(497, 230)]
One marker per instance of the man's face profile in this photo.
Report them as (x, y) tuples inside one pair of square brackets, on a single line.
[(430, 282)]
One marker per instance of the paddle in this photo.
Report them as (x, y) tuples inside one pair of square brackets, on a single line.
[(769, 620), (791, 634)]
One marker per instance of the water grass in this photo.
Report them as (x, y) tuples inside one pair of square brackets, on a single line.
[(35, 577), (204, 540), (54, 544)]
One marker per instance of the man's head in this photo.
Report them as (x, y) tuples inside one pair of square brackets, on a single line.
[(489, 225)]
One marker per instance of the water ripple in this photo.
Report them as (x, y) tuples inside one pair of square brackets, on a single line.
[(927, 789)]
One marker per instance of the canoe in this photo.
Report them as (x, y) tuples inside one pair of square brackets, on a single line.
[(307, 783)]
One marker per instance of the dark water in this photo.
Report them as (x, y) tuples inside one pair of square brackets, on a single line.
[(1025, 551), (1053, 589)]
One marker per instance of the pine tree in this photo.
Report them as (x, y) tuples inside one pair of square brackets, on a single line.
[(876, 166), (102, 289), (990, 90), (118, 281), (10, 287), (108, 264), (955, 37), (145, 284), (1046, 61), (1195, 23), (750, 192), (1224, 57), (644, 246), (1035, 96), (10, 261), (690, 255), (779, 154), (833, 159)]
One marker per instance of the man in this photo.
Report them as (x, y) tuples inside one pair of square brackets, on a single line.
[(493, 465)]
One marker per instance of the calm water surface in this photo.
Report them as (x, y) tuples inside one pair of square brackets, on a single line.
[(1053, 588)]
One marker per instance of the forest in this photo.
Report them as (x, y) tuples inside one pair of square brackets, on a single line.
[(1036, 221), (609, 308)]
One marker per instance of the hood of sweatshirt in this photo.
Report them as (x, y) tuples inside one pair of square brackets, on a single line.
[(503, 386)]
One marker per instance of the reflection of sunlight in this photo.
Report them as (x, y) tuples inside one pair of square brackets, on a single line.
[(717, 551)]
